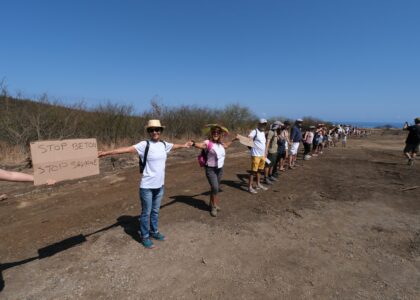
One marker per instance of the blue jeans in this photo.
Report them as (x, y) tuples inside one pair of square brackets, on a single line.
[(150, 203)]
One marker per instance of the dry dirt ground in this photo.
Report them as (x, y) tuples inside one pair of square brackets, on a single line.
[(345, 225)]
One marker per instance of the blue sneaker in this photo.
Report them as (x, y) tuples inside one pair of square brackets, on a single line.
[(147, 243), (158, 236)]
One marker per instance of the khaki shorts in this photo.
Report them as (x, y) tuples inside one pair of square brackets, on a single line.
[(257, 163)]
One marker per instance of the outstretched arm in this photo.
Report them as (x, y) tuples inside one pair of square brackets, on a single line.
[(199, 145), (228, 144), (179, 146), (122, 150), (15, 176)]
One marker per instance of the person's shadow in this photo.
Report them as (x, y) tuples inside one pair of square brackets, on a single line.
[(189, 200), (241, 185), (130, 224)]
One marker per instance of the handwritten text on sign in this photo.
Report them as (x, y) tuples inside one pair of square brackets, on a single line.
[(64, 160)]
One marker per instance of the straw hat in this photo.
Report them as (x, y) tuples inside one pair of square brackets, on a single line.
[(207, 128), (153, 123)]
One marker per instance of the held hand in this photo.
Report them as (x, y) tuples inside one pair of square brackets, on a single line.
[(188, 144)]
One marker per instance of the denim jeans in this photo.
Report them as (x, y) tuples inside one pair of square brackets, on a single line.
[(150, 203)]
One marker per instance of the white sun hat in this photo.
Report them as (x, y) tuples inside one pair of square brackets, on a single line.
[(153, 123)]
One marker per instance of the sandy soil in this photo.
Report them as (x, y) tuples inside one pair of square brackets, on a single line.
[(345, 225)]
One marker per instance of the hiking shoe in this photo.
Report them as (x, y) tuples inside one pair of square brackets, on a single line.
[(158, 236), (267, 181), (147, 243), (410, 162), (252, 190), (272, 178), (218, 208), (213, 211), (264, 188)]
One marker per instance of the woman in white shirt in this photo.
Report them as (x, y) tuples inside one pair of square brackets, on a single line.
[(215, 158), (153, 179)]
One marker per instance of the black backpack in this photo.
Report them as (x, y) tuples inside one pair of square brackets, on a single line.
[(142, 164)]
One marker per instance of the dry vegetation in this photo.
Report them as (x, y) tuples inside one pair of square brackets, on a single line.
[(24, 120)]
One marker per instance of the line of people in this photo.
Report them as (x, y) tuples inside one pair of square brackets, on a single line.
[(270, 154)]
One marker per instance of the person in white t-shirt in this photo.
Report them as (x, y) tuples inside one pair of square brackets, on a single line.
[(153, 179), (215, 158), (258, 155)]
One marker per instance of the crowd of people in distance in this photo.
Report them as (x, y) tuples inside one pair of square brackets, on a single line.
[(274, 149)]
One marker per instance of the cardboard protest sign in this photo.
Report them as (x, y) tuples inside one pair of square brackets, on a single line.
[(246, 141), (64, 160)]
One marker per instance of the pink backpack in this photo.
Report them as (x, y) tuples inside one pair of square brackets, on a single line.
[(202, 157)]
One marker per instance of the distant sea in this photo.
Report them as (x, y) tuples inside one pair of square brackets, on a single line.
[(371, 124)]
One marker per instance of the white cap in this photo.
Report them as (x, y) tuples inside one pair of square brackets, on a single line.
[(262, 121), (299, 120)]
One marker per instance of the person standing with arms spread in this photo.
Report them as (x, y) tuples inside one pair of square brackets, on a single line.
[(413, 141), (258, 155), (153, 154), (295, 138), (215, 158)]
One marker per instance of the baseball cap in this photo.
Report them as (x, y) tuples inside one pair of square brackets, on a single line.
[(299, 120), (262, 121)]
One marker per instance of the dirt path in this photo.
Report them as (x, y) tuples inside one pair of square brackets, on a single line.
[(343, 226)]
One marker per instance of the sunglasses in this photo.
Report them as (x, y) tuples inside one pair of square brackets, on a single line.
[(154, 129), (216, 132)]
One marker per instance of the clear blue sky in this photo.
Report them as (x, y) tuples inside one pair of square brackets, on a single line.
[(334, 59)]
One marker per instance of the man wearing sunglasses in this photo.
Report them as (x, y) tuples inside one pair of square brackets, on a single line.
[(153, 154)]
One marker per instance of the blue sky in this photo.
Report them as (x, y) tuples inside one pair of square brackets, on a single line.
[(334, 59)]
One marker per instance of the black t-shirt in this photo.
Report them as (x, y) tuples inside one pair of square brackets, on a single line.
[(413, 134)]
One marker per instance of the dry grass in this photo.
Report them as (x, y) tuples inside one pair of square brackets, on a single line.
[(12, 155)]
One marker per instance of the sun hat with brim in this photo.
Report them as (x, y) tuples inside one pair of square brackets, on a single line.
[(154, 124), (207, 128)]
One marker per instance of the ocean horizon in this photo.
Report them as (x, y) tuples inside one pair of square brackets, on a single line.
[(366, 124)]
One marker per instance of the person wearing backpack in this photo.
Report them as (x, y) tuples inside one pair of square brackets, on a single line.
[(212, 158), (258, 155), (153, 154), (413, 141), (270, 169)]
